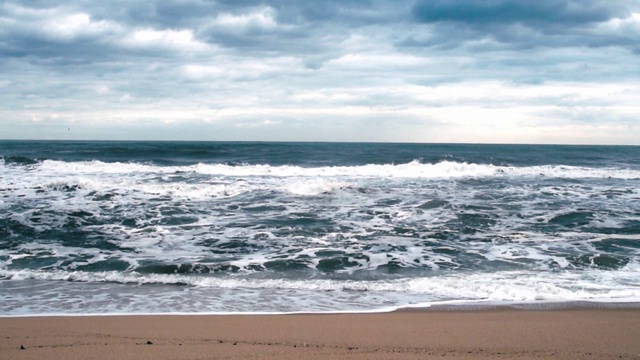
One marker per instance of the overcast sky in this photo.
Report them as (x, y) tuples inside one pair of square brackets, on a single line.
[(518, 71)]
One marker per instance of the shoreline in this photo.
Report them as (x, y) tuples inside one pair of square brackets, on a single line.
[(576, 333), (455, 306)]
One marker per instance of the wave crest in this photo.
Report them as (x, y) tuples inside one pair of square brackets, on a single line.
[(413, 169)]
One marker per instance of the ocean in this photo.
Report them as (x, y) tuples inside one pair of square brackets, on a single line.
[(244, 227)]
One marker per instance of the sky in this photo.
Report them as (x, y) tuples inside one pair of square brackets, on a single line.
[(452, 71)]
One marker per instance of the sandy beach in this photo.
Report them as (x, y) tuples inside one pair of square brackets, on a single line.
[(411, 334)]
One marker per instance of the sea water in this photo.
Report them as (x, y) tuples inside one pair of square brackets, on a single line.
[(208, 227)]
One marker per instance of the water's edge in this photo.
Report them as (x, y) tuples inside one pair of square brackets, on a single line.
[(448, 307)]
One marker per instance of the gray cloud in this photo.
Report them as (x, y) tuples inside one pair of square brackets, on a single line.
[(522, 24), (534, 13), (285, 69)]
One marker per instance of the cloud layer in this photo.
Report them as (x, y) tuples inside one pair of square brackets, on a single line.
[(427, 71)]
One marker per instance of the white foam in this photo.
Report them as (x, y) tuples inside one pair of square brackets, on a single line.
[(370, 215), (60, 292), (503, 286), (314, 187), (414, 169)]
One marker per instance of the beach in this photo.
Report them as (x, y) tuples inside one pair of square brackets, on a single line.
[(409, 334)]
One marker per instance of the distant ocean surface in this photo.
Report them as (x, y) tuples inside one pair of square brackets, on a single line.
[(207, 227)]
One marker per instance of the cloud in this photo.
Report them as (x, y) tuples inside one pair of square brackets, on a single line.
[(366, 70), (181, 40), (521, 23), (260, 19), (253, 28), (47, 32), (533, 13), (240, 69)]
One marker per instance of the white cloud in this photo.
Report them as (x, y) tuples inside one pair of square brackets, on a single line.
[(380, 61), (182, 40), (198, 72), (102, 89), (326, 96), (262, 19), (55, 23), (62, 25), (622, 25), (234, 68)]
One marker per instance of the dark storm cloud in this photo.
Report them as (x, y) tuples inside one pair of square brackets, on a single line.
[(519, 23), (567, 12)]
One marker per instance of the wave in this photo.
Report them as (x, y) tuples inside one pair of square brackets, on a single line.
[(18, 160), (413, 169), (497, 286)]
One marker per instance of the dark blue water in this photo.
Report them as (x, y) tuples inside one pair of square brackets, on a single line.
[(249, 227), (318, 154)]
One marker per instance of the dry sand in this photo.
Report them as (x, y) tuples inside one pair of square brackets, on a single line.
[(487, 334)]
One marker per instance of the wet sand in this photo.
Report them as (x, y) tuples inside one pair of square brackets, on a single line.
[(409, 334)]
